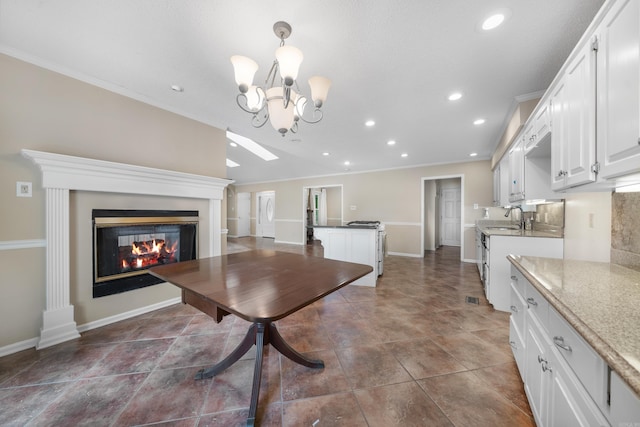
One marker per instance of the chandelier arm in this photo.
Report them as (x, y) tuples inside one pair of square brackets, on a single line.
[(245, 107), (272, 75), (257, 121), (314, 119)]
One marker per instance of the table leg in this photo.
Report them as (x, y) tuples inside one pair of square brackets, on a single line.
[(281, 345), (257, 375), (244, 346)]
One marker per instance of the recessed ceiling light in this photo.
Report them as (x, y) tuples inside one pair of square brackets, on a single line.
[(473, 154), (177, 88), (478, 122), (391, 142), (404, 155), (325, 153), (232, 164), (493, 21), (369, 123), (347, 163), (455, 96), (233, 144)]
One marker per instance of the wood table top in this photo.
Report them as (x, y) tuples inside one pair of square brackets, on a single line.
[(261, 285)]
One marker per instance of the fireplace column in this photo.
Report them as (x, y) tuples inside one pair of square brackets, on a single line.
[(58, 324)]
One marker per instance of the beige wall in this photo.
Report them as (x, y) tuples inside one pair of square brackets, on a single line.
[(43, 110), (393, 197), (587, 229)]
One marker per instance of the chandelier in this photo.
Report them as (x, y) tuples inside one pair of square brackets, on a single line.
[(279, 100)]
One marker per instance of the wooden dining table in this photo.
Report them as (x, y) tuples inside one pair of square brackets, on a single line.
[(260, 286)]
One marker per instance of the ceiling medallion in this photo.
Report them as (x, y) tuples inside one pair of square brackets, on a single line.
[(279, 102)]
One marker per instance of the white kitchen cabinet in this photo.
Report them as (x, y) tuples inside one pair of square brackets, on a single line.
[(516, 171), (351, 244), (618, 101), (501, 182), (497, 285), (573, 133), (541, 124), (496, 185), (625, 404), (565, 380)]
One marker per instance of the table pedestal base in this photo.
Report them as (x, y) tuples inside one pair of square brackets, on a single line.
[(260, 334)]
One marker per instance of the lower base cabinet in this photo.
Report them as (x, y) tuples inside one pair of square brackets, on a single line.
[(566, 382)]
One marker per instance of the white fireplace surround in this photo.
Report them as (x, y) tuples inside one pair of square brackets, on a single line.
[(61, 174)]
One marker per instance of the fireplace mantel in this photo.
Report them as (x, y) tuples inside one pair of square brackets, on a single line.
[(63, 173)]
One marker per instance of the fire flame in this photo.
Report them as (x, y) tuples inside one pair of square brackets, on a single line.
[(149, 253)]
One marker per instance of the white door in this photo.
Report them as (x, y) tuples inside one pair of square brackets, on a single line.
[(450, 203), (244, 214), (266, 202)]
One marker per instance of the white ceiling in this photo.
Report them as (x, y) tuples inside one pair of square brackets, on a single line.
[(392, 61)]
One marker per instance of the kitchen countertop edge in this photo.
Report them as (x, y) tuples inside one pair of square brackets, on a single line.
[(613, 358)]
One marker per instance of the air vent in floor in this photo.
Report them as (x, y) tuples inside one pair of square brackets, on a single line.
[(473, 300)]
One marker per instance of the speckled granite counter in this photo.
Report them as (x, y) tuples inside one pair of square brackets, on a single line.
[(600, 300), (507, 228)]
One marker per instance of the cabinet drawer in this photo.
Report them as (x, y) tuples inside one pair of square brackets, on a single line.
[(517, 281), (538, 305), (518, 309), (583, 360)]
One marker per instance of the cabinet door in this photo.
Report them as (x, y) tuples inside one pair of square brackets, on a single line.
[(516, 172), (496, 186), (541, 124), (619, 90), (535, 380), (568, 403), (573, 120)]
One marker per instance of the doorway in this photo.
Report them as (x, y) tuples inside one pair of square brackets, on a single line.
[(265, 221), (442, 215), (244, 214)]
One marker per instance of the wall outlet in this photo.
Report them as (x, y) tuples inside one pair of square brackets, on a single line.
[(23, 189), (475, 206), (353, 207)]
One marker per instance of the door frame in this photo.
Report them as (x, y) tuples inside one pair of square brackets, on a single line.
[(259, 230), (422, 209), (304, 206)]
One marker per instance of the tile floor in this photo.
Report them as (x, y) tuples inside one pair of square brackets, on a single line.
[(410, 352)]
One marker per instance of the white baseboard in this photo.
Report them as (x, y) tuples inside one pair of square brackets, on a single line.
[(32, 342), (405, 254), (473, 261), (127, 315), (18, 346)]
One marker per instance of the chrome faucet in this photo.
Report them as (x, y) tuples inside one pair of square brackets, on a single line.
[(509, 209)]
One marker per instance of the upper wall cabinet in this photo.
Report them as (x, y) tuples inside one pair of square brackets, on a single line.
[(618, 83), (516, 171), (573, 146)]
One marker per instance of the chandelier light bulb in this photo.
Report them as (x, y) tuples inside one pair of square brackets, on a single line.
[(244, 69), (281, 118), (289, 60), (319, 89)]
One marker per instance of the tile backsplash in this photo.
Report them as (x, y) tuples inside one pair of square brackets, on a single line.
[(625, 230)]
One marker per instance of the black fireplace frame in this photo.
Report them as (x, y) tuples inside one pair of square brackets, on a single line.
[(121, 217)]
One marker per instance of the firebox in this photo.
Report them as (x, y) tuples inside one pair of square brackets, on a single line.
[(129, 242)]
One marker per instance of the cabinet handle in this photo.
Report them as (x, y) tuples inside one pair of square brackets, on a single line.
[(545, 367), (532, 301), (514, 278), (513, 345), (559, 341), (540, 359), (514, 308)]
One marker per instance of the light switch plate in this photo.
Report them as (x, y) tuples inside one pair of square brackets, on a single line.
[(23, 189)]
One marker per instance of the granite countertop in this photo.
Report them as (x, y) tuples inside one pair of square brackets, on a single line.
[(507, 228), (600, 300)]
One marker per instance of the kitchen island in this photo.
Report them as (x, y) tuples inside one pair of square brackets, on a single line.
[(359, 244), (579, 320)]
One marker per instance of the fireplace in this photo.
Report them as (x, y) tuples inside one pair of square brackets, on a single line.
[(126, 243)]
